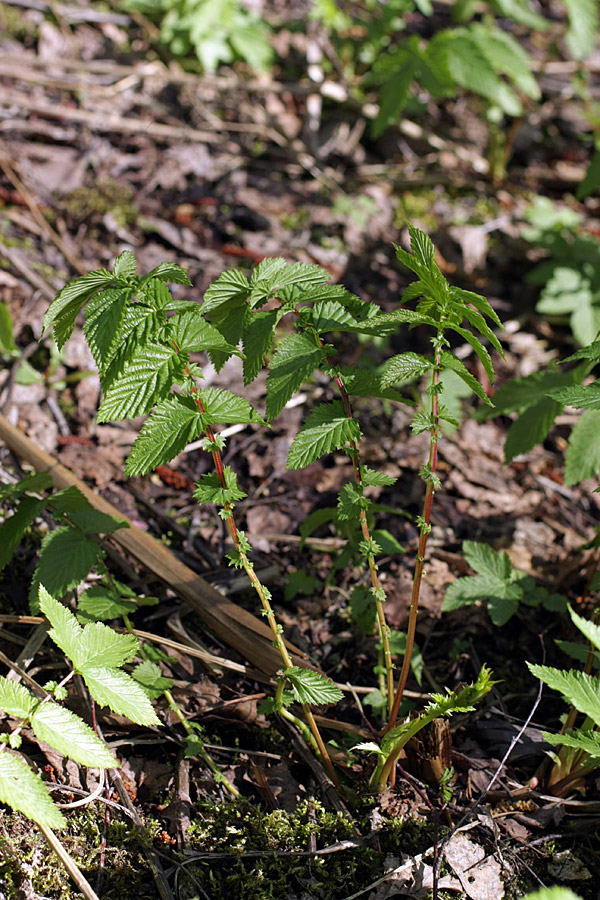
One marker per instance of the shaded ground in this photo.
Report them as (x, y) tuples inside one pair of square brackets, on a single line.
[(101, 150)]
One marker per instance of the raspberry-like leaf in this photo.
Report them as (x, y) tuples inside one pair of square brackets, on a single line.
[(312, 687), (296, 357), (67, 733), (170, 427), (327, 428), (25, 791)]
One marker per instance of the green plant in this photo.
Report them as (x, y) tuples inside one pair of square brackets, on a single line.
[(97, 654), (570, 276), (142, 340), (216, 31), (580, 746), (552, 893), (497, 584)]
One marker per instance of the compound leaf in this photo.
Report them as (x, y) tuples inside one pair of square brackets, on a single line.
[(193, 334), (170, 272), (67, 733), (103, 317), (210, 490), (456, 365), (588, 741), (150, 677), (327, 428), (24, 791)]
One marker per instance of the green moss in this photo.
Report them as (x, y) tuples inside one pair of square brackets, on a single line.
[(238, 829), (90, 204), (28, 867)]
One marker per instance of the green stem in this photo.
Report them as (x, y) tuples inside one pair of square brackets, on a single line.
[(378, 591), (248, 567)]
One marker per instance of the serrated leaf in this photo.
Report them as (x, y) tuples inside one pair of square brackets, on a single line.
[(210, 490), (100, 645), (531, 427), (64, 731), (405, 367), (374, 478), (14, 527), (486, 561), (295, 359), (230, 321), (145, 381), (579, 689), (312, 687), (422, 246), (66, 631), (588, 628), (102, 603), (256, 341), (302, 273), (456, 365), (365, 383), (350, 502), (193, 334), (506, 56), (267, 270), (170, 427), (230, 289), (125, 265), (481, 352), (118, 691), (388, 544), (588, 741), (103, 316), (150, 677), (326, 428), (225, 408), (23, 790), (476, 320), (470, 68), (66, 557), (92, 521), (520, 11), (578, 396), (583, 451), (169, 272), (15, 699), (63, 310)]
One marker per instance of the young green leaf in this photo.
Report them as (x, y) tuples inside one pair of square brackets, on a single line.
[(24, 791), (66, 631), (14, 527), (588, 628), (225, 408), (102, 603), (449, 361), (210, 490), (327, 428), (296, 357), (170, 427), (582, 459), (125, 265), (39, 481), (311, 687), (229, 290), (63, 310), (144, 381), (150, 677), (579, 689), (578, 396), (66, 557), (588, 741), (497, 584), (118, 691), (193, 334), (103, 317), (15, 699), (405, 367), (67, 733), (99, 645), (169, 272), (256, 341)]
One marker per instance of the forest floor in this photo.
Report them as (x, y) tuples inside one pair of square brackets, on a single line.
[(104, 147)]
